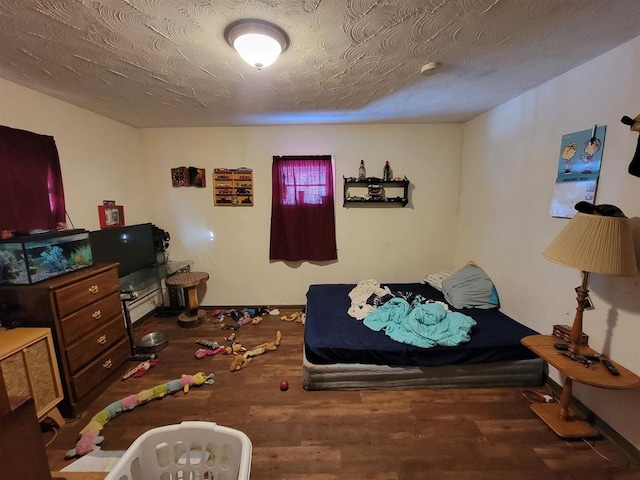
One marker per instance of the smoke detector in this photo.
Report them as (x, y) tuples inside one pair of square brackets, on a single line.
[(429, 68)]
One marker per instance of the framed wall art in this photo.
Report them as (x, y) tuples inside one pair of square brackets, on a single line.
[(180, 177), (188, 177), (111, 216), (197, 177), (577, 170)]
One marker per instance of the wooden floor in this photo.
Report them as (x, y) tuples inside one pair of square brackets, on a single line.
[(460, 434)]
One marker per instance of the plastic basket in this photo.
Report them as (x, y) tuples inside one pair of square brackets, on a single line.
[(187, 451)]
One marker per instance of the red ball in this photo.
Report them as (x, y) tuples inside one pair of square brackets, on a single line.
[(284, 385)]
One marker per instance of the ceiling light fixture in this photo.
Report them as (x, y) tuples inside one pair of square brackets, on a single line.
[(259, 43)]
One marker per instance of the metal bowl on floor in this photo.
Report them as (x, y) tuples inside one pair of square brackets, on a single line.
[(152, 342)]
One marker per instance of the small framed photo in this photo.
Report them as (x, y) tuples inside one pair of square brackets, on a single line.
[(197, 177), (111, 216)]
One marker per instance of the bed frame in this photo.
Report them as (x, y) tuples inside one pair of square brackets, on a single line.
[(325, 304)]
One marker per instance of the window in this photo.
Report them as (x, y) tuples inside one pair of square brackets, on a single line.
[(302, 209), (31, 181)]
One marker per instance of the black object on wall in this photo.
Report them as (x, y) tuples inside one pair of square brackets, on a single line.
[(634, 123)]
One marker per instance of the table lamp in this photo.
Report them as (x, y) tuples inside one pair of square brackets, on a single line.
[(593, 243)]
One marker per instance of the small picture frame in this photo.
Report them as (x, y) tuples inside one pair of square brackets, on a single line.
[(197, 177), (111, 216)]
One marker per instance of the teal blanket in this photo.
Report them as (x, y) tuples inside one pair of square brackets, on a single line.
[(422, 324)]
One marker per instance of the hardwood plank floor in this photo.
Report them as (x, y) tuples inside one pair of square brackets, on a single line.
[(475, 434)]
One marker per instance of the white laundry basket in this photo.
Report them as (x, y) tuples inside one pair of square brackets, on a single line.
[(187, 451)]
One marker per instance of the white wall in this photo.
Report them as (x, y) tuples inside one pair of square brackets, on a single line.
[(99, 158), (509, 165), (232, 243), (103, 159)]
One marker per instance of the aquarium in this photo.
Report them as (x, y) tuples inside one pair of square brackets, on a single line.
[(33, 258)]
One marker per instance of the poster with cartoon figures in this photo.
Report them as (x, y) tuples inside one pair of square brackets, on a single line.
[(578, 170)]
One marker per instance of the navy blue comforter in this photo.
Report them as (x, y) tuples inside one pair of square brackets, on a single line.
[(332, 336)]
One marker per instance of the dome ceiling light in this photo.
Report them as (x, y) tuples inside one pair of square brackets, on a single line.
[(259, 43)]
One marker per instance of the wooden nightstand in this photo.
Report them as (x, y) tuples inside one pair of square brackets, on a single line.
[(29, 369), (559, 416)]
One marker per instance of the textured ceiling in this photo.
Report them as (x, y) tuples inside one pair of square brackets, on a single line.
[(165, 63)]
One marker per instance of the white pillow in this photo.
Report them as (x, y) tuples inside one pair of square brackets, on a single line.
[(435, 279)]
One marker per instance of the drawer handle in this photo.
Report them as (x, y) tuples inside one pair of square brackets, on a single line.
[(93, 289), (102, 340), (97, 315), (108, 364)]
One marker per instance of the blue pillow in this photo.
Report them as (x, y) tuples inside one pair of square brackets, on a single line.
[(470, 287)]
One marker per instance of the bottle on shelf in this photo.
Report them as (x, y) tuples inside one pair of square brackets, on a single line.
[(386, 174), (362, 172)]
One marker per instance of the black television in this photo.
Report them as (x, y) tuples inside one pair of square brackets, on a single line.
[(131, 246)]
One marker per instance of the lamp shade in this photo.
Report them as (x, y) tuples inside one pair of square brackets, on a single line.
[(596, 244), (258, 43)]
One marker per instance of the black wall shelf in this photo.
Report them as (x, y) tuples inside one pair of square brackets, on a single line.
[(367, 192)]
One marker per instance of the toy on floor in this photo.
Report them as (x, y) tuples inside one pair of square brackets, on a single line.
[(211, 348), (218, 315), (247, 315), (226, 326), (634, 124), (141, 368), (90, 433), (241, 361), (207, 343), (244, 319), (233, 348), (207, 352), (247, 318), (298, 317)]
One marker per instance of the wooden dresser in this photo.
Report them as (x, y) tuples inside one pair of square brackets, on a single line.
[(84, 313)]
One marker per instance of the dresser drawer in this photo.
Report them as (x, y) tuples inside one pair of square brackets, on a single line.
[(98, 341), (83, 321), (94, 373), (84, 292)]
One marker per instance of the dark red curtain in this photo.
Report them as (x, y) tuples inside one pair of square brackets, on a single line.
[(302, 209), (30, 181)]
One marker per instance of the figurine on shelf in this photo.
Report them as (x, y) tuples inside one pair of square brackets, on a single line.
[(386, 173), (362, 172)]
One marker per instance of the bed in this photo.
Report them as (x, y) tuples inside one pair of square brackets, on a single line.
[(342, 353)]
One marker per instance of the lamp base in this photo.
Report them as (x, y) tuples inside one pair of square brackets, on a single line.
[(571, 426), (576, 328)]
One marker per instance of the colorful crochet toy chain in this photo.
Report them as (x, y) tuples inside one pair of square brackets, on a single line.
[(90, 433)]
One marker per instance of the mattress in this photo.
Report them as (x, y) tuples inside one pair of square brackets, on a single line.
[(340, 352)]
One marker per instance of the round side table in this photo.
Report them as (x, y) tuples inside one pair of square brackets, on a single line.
[(189, 282)]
